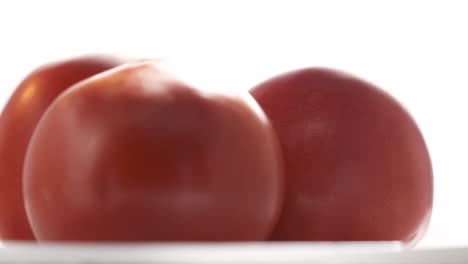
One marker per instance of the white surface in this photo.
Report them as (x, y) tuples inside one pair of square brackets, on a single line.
[(416, 50), (229, 253), (194, 253)]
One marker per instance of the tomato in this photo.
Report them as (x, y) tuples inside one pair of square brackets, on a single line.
[(17, 123), (136, 154), (356, 164)]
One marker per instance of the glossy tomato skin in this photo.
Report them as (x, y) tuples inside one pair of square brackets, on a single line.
[(356, 164), (137, 155), (17, 122)]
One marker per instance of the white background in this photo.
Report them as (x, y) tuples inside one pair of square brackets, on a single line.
[(416, 50)]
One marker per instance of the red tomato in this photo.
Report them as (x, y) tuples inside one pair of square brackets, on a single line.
[(356, 164), (137, 155), (17, 124)]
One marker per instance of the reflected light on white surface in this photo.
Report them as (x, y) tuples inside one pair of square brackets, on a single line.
[(191, 252)]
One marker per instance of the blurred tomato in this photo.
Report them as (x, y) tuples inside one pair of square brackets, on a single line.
[(356, 164), (17, 123), (137, 155)]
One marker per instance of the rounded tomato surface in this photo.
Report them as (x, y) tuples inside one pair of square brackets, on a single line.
[(137, 155), (356, 164), (17, 123)]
